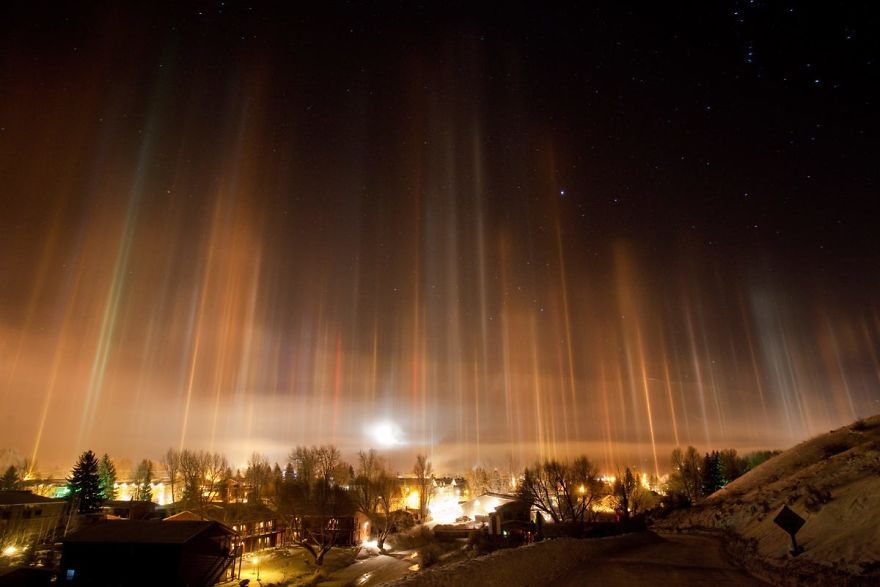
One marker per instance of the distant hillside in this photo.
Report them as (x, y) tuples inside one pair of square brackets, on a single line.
[(833, 482)]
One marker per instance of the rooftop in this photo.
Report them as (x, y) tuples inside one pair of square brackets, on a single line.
[(144, 531), (24, 498)]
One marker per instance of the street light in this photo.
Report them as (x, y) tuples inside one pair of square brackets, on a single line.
[(256, 561)]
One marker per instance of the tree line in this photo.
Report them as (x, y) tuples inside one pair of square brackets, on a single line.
[(694, 477), (317, 487), (312, 493)]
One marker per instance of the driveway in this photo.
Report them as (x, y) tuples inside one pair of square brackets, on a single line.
[(677, 560)]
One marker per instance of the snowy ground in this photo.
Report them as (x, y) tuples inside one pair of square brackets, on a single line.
[(293, 566), (672, 561), (543, 563), (290, 566), (833, 482)]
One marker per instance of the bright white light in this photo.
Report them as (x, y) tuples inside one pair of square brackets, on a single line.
[(10, 550), (385, 433), (444, 509)]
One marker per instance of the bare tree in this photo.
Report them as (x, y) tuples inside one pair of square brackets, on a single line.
[(478, 481), (373, 488), (215, 466), (191, 475), (303, 461), (257, 475), (564, 491), (327, 460), (171, 463), (424, 473), (686, 475), (512, 472), (314, 500), (201, 473)]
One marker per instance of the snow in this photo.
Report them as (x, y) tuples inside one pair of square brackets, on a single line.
[(537, 564), (832, 481)]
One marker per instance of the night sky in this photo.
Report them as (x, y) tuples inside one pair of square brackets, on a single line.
[(538, 230)]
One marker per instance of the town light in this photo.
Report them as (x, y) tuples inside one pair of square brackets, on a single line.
[(445, 509), (10, 550), (412, 500)]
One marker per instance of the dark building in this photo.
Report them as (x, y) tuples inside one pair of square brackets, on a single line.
[(343, 529), (130, 509), (26, 518), (148, 552), (256, 525), (504, 514), (28, 577)]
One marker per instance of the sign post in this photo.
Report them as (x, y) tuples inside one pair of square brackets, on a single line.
[(789, 521)]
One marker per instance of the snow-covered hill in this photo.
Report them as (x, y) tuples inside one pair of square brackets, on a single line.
[(832, 481)]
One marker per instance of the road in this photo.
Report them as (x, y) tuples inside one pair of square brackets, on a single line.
[(677, 560), (372, 571)]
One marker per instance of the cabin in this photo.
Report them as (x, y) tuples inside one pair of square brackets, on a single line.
[(148, 552), (343, 529), (256, 525)]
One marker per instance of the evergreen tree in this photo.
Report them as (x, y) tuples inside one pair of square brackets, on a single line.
[(733, 466), (712, 477), (107, 476), (11, 479), (289, 473), (85, 485), (144, 480)]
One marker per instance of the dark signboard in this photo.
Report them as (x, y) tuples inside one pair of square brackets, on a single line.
[(788, 520)]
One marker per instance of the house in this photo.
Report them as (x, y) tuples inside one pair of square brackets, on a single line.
[(503, 513), (446, 493), (343, 529), (26, 518), (479, 507), (148, 552), (130, 509), (257, 526)]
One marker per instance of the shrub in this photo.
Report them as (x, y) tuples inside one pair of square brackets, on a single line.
[(478, 543), (429, 555), (418, 536), (401, 521), (816, 497), (835, 448)]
